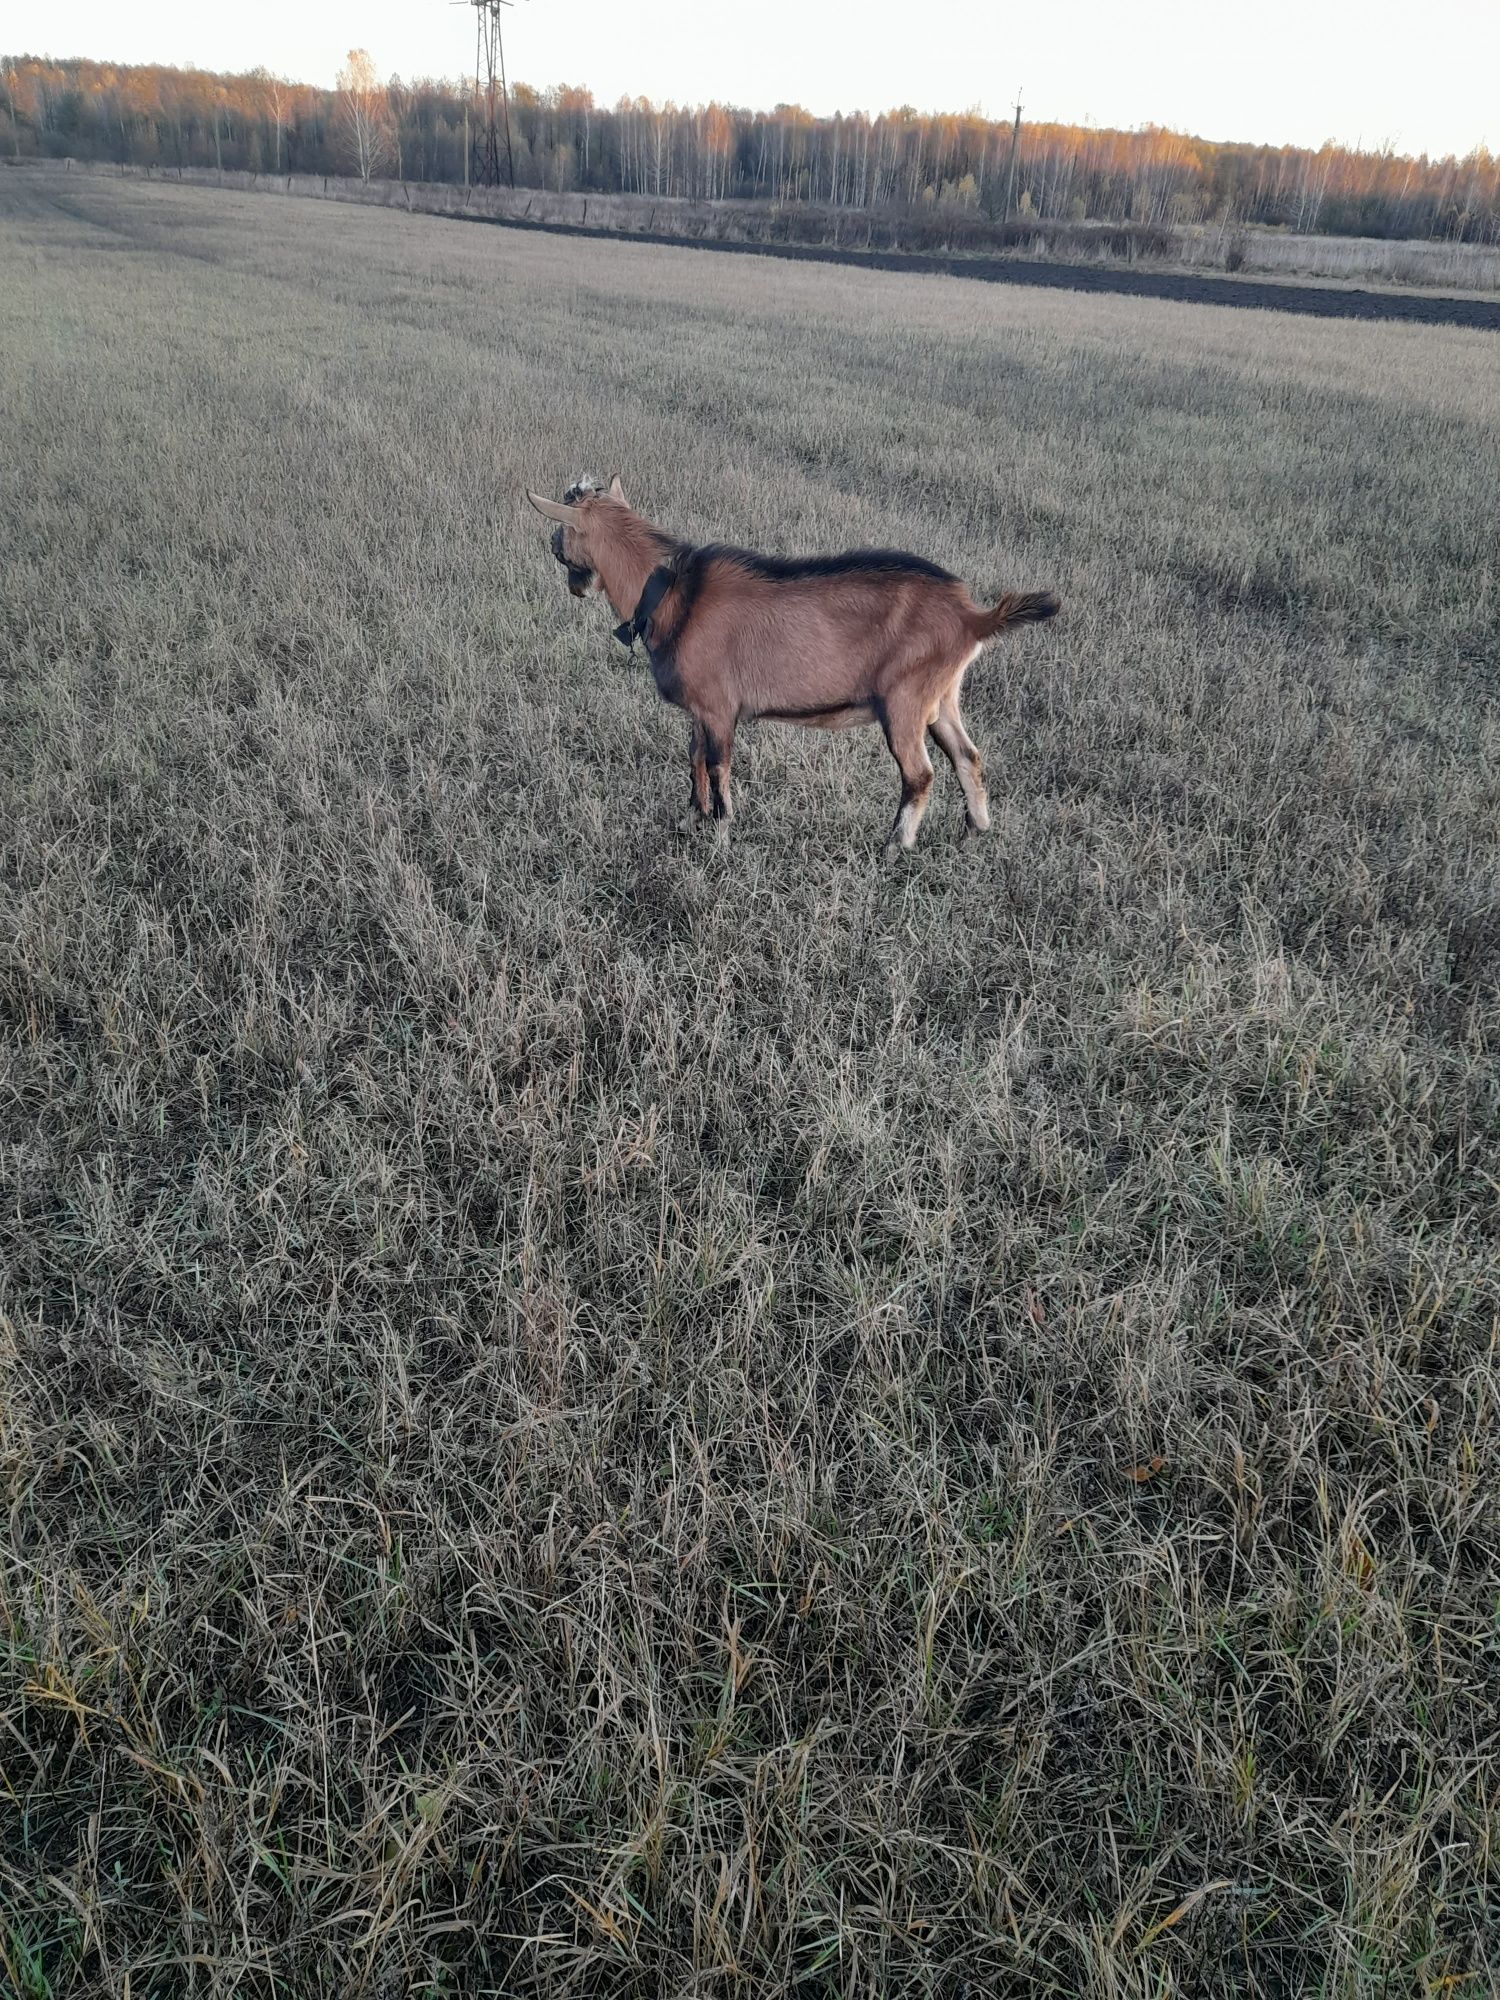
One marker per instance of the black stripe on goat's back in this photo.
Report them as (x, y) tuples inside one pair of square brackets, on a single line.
[(854, 562)]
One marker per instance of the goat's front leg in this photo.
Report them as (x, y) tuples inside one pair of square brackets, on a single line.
[(699, 802), (718, 750)]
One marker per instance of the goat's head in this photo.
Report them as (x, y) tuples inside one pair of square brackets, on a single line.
[(573, 515)]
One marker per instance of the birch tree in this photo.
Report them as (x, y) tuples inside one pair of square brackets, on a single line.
[(363, 116)]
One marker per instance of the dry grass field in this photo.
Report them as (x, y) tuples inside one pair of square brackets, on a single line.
[(1361, 260), (589, 1411), (1131, 252)]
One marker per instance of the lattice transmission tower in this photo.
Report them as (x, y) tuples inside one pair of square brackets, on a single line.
[(489, 71)]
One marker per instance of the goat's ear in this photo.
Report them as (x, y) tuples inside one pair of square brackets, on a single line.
[(616, 490), (553, 509)]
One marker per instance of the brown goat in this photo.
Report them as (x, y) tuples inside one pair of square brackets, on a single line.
[(829, 642)]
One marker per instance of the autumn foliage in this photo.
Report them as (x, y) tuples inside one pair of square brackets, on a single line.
[(563, 140)]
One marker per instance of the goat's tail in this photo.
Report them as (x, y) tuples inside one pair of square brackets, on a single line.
[(1017, 607)]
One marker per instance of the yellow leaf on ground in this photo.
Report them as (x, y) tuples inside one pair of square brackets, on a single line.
[(1188, 1903)]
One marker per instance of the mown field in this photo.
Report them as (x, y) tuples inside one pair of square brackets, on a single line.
[(1437, 284), (590, 1411)]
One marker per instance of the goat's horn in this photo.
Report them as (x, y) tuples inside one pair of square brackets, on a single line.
[(553, 509)]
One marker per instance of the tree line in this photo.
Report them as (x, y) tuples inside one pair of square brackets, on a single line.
[(561, 139)]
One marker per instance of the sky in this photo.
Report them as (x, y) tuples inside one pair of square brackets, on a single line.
[(1425, 78)]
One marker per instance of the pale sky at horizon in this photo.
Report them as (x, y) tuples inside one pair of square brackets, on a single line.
[(1425, 80)]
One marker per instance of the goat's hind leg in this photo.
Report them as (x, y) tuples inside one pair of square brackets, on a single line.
[(963, 754), (905, 729)]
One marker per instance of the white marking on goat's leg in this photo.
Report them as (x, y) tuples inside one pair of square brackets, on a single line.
[(913, 806)]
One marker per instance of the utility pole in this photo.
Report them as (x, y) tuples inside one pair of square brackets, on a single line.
[(1010, 174)]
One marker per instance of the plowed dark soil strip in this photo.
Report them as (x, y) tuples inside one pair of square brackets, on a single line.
[(1195, 288)]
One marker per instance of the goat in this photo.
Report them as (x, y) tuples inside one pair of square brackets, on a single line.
[(828, 641)]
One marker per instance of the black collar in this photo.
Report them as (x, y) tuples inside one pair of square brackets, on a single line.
[(658, 583)]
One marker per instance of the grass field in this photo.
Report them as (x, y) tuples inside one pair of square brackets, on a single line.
[(585, 1411)]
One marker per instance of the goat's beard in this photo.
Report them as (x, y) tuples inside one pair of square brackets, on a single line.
[(579, 577)]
